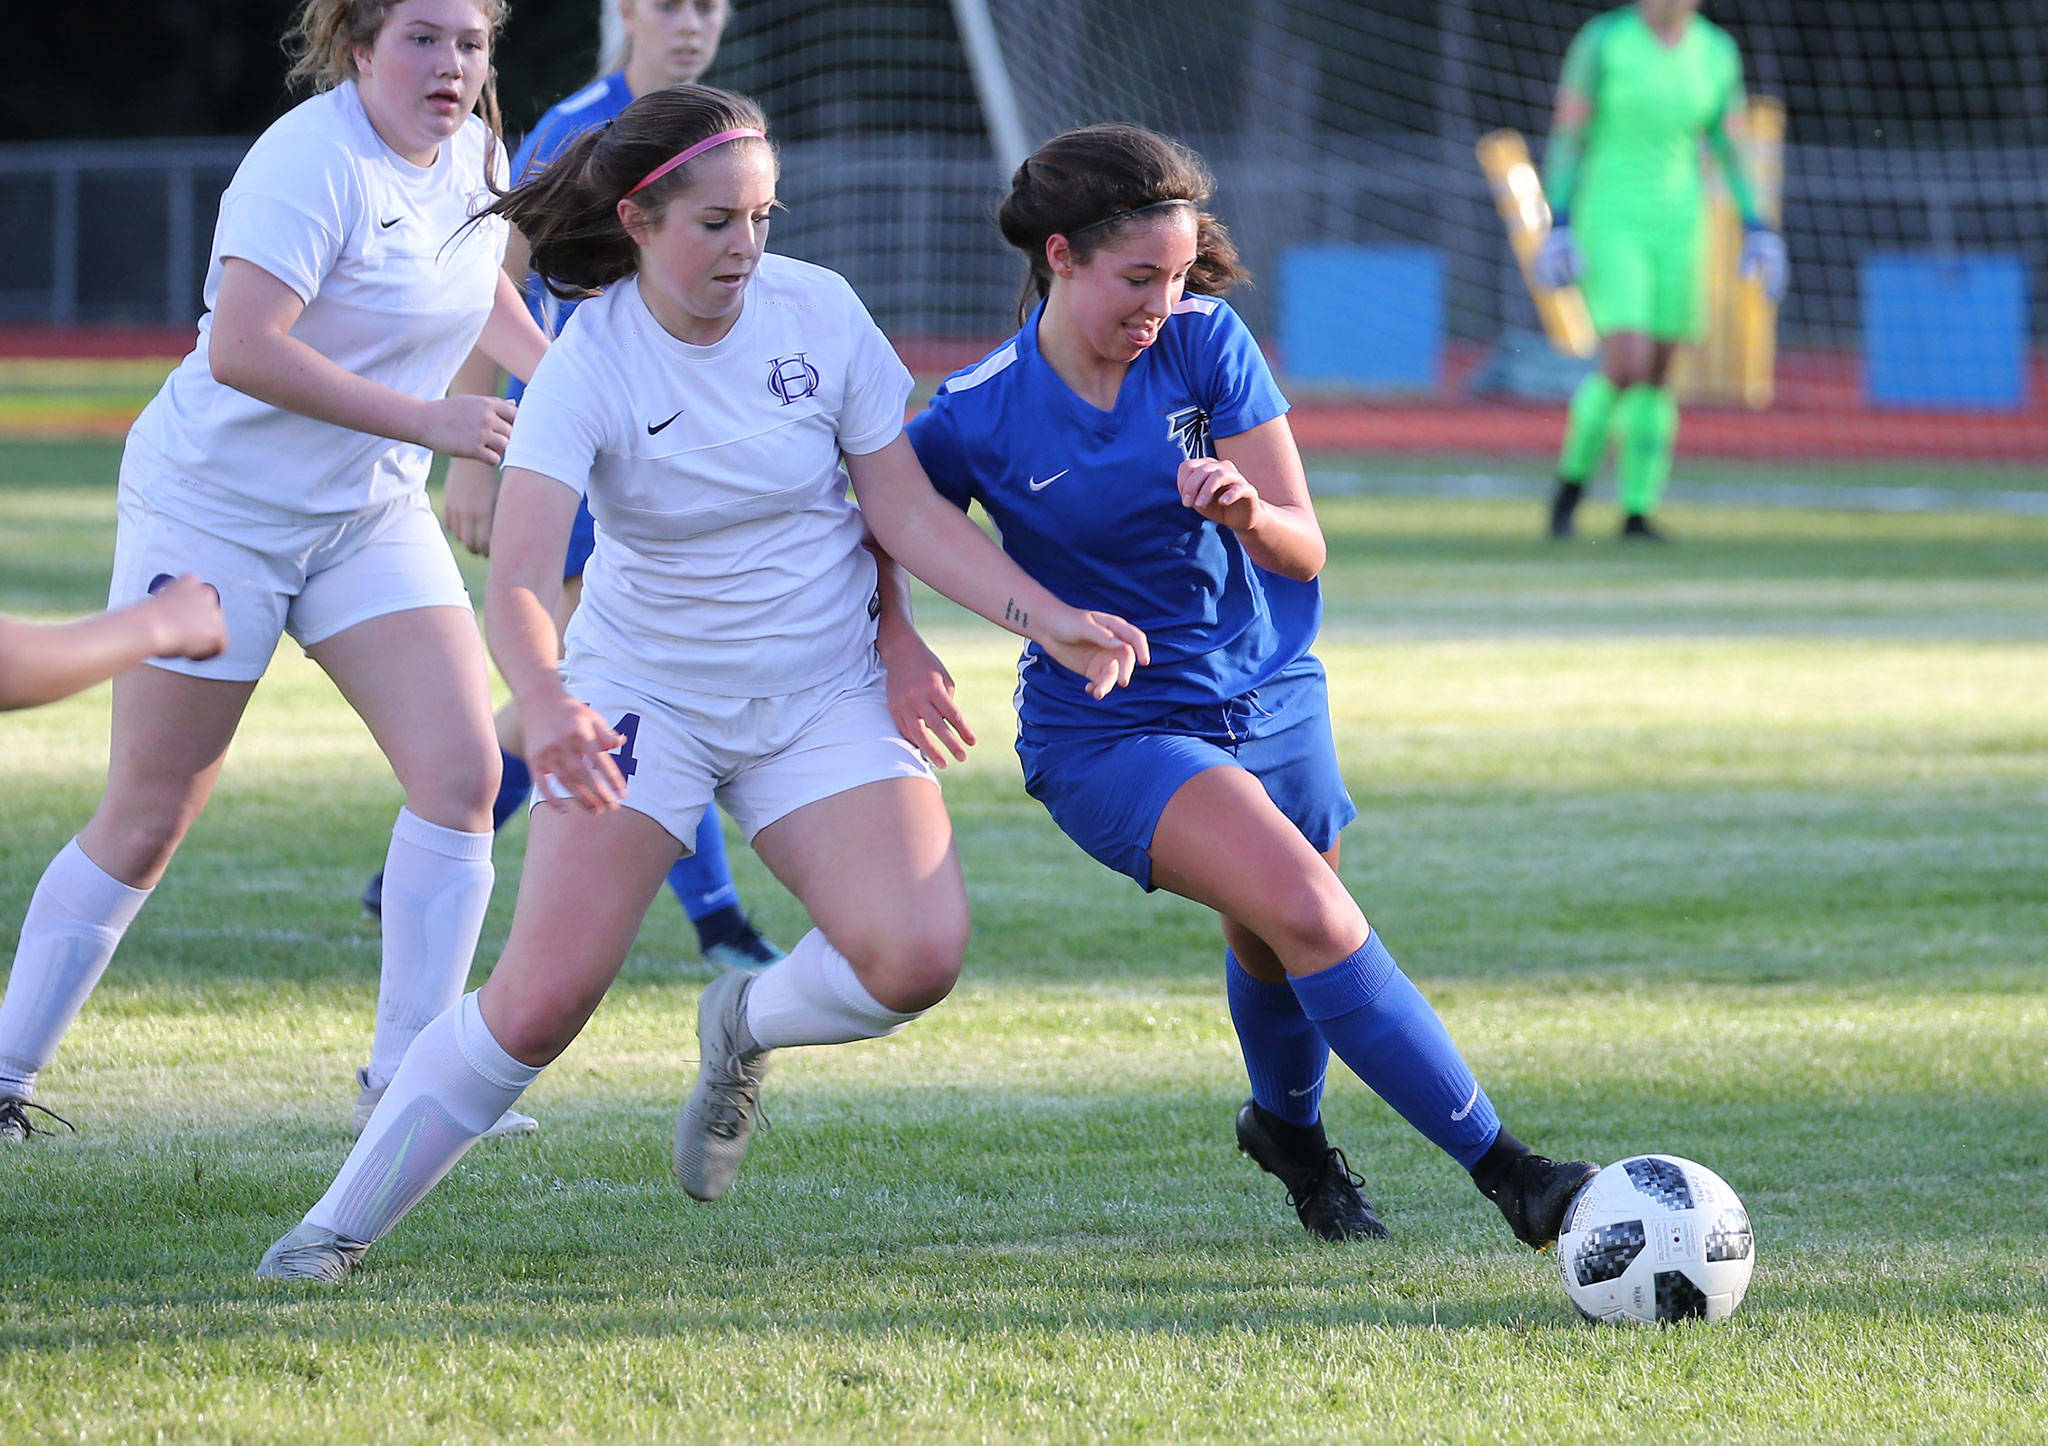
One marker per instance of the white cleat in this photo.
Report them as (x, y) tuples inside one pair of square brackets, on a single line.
[(510, 1124), (306, 1252), (16, 1126), (712, 1130)]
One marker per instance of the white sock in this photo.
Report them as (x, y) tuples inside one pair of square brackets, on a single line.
[(814, 997), (454, 1083), (437, 885), (75, 918)]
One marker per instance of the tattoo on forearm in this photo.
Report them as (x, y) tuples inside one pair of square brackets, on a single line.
[(1014, 614)]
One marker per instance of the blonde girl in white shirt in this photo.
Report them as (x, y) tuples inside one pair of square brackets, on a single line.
[(284, 463)]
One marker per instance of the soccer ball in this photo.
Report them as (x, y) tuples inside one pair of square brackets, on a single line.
[(1654, 1238)]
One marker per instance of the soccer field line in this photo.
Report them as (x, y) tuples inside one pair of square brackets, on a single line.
[(1811, 496)]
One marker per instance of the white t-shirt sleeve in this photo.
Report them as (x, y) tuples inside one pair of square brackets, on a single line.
[(290, 210), (559, 430), (878, 386)]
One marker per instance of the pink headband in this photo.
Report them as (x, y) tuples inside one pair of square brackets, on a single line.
[(741, 134)]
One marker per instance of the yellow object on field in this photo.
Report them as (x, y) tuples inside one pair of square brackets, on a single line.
[(1518, 193), (1736, 360)]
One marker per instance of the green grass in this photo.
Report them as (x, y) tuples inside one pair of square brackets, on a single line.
[(1733, 850)]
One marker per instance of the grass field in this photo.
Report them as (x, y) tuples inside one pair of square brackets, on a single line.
[(1734, 850)]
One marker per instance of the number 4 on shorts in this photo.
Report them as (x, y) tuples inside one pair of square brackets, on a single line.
[(628, 727)]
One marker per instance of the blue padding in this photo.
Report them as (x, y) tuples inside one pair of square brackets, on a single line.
[(1947, 332), (1365, 316)]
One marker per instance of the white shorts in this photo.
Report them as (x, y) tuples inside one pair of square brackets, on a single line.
[(761, 758), (275, 575)]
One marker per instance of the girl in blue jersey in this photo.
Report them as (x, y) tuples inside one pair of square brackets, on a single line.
[(1133, 450), (667, 42)]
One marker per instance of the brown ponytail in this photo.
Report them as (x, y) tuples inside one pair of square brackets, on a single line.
[(1084, 185), (569, 211), (326, 34)]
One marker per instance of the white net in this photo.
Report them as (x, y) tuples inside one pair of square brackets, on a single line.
[(1915, 170), (887, 171)]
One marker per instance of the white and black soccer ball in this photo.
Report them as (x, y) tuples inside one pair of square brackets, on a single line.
[(1653, 1239)]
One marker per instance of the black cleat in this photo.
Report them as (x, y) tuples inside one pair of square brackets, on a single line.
[(1638, 528), (1564, 507), (744, 948), (1320, 1185), (1534, 1193), (16, 1126), (373, 896)]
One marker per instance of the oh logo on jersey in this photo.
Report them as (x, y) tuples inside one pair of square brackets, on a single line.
[(1188, 429), (792, 378)]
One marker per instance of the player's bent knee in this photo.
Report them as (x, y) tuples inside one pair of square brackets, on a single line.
[(133, 836), (1312, 922), (915, 964), (535, 1028), (458, 796)]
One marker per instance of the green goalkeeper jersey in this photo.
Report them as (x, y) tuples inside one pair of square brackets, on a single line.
[(1653, 105)]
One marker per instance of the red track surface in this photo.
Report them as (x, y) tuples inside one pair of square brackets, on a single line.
[(1820, 412)]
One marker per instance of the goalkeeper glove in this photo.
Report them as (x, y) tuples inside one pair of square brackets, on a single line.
[(1764, 261), (1559, 262)]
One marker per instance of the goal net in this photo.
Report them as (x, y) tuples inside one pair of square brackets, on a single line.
[(1914, 167)]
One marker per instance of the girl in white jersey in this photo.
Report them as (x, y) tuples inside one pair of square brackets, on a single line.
[(712, 404), (284, 462), (661, 42)]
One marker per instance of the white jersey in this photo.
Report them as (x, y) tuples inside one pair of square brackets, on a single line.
[(729, 557), (370, 243)]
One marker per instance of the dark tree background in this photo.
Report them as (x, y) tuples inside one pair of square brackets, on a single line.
[(216, 67), (1941, 71)]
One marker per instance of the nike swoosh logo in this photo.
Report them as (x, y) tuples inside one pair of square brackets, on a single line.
[(1038, 486), (653, 427), (387, 225), (1319, 1080), (1460, 1114)]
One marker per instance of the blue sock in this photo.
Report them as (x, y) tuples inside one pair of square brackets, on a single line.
[(1380, 1025), (702, 880), (512, 789), (1284, 1053)]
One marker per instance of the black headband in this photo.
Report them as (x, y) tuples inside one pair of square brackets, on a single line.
[(1134, 211)]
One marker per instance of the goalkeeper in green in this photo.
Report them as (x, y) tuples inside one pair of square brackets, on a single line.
[(1642, 86)]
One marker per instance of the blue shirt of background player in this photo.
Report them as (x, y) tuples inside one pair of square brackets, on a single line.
[(567, 119), (1087, 504)]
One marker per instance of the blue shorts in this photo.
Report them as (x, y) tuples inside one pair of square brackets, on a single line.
[(1107, 790), (583, 532)]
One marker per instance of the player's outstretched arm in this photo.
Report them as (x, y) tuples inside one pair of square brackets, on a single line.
[(42, 662), (567, 745), (252, 350), (921, 697), (936, 542)]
